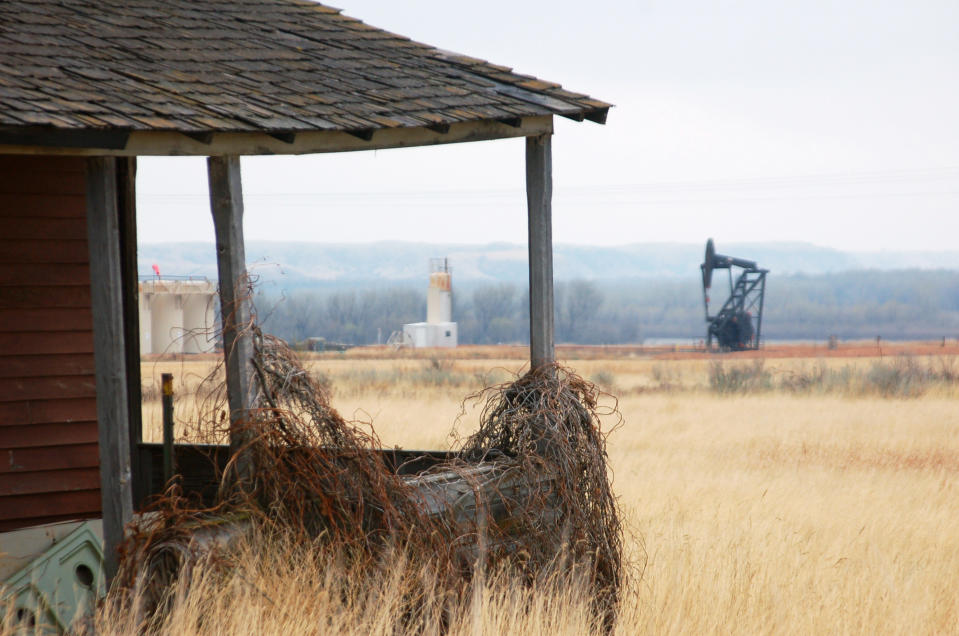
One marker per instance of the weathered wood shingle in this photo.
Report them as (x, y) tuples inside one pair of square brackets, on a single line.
[(244, 66)]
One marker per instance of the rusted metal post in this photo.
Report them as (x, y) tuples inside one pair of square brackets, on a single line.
[(167, 386), (539, 194)]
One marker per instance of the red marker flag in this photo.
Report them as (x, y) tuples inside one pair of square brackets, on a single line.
[(156, 270)]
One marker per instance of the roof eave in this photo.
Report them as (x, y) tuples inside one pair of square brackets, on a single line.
[(172, 143)]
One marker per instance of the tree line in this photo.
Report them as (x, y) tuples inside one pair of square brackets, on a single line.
[(858, 304)]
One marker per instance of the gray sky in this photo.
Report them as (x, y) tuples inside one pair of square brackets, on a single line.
[(828, 122)]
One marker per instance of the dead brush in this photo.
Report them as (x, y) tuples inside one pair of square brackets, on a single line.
[(314, 472), (545, 426), (541, 505), (303, 471)]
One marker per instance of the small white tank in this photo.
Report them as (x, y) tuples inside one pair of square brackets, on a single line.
[(439, 298), (439, 330)]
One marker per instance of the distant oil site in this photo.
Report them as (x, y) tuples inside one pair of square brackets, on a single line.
[(433, 305)]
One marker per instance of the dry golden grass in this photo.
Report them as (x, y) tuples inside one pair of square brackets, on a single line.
[(759, 513), (794, 514), (299, 594)]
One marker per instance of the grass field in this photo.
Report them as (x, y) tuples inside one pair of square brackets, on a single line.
[(828, 504)]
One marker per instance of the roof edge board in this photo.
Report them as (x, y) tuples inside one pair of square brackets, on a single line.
[(285, 137), (202, 137), (164, 143), (599, 115), (46, 136)]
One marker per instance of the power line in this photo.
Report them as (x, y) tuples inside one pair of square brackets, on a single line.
[(879, 183)]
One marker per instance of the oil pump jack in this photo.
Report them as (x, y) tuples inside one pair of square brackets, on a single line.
[(737, 325)]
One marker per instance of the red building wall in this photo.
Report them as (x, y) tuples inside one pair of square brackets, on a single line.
[(48, 428)]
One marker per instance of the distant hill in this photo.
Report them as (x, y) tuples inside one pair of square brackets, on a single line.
[(300, 264)]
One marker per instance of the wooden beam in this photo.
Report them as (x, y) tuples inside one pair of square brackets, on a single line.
[(160, 143), (127, 227), (598, 115), (366, 134), (44, 136), (106, 287), (226, 203), (539, 194), (205, 138), (285, 137)]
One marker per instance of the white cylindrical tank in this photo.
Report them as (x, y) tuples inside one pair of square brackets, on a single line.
[(439, 330), (177, 316), (146, 320), (439, 298), (200, 331), (166, 325)]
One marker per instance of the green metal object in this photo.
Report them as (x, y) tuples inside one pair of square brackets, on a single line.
[(57, 587)]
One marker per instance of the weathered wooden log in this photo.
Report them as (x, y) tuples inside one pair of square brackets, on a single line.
[(477, 498), (460, 491)]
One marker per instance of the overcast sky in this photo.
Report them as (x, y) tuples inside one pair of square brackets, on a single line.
[(835, 123)]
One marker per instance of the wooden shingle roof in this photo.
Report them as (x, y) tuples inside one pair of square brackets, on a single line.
[(240, 66)]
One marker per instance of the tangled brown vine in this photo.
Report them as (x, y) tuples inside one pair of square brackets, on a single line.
[(529, 492)]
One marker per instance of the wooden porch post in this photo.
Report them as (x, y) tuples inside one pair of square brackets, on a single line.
[(226, 203), (539, 193), (106, 290), (127, 226)]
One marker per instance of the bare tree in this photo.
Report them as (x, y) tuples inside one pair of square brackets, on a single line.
[(494, 307), (577, 304)]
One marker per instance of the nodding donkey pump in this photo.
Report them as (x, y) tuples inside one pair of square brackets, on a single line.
[(737, 325)]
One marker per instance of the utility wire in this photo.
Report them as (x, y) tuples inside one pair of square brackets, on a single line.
[(843, 179)]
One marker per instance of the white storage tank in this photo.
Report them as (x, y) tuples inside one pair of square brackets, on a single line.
[(439, 297), (177, 316), (439, 330), (166, 323), (199, 328)]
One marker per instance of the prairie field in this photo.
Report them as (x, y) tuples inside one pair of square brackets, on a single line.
[(781, 495)]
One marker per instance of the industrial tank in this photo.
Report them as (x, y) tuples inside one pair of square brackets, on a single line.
[(439, 298), (439, 330), (177, 316)]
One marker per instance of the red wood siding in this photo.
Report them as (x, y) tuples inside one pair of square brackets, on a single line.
[(49, 463)]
